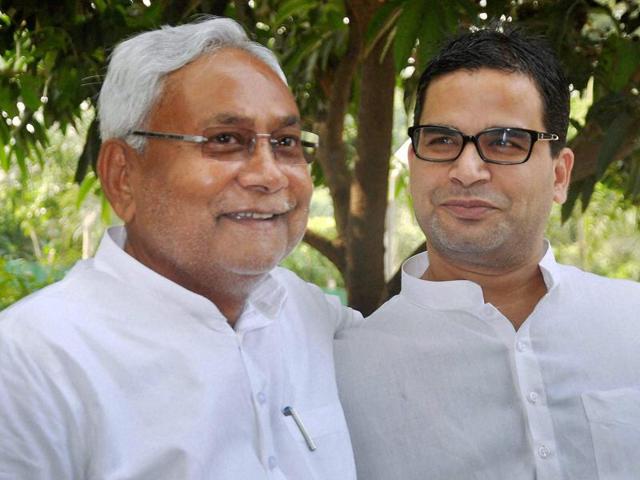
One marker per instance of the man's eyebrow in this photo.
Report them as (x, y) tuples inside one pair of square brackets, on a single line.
[(441, 125), (230, 119), (290, 120)]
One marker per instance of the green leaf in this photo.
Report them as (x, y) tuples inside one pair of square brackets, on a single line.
[(85, 187), (430, 34), (619, 130), (402, 184), (5, 134), (382, 20), (469, 7), (105, 208), (22, 162), (30, 88), (572, 197), (407, 30), (587, 191), (302, 52), (90, 152), (633, 187), (619, 60), (100, 5), (8, 100), (4, 159), (289, 8)]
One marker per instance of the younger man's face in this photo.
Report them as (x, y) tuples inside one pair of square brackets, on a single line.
[(477, 212)]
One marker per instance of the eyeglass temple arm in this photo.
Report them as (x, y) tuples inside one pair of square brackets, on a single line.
[(173, 136), (548, 136)]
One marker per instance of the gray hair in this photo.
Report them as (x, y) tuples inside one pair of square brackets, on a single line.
[(138, 66)]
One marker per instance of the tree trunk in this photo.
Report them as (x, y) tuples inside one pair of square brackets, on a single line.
[(332, 154), (365, 242)]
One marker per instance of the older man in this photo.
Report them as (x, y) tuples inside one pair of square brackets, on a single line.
[(494, 362), (181, 351)]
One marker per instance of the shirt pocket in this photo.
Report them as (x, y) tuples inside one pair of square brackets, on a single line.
[(614, 421), (318, 422), (327, 429)]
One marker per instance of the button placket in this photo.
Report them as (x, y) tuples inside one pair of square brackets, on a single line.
[(532, 388), (258, 383)]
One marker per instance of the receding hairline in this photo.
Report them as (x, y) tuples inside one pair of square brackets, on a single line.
[(170, 84)]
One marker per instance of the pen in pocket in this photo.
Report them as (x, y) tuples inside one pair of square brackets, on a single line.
[(290, 412)]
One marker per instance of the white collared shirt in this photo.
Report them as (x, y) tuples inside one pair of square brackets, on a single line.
[(118, 373), (437, 384)]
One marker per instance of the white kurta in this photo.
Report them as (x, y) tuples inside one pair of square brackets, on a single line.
[(118, 373), (437, 384)]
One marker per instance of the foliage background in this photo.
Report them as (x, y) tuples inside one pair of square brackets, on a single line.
[(353, 66)]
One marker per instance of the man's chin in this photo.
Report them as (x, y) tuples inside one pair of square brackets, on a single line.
[(459, 243), (254, 265)]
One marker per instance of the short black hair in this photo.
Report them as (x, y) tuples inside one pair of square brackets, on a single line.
[(513, 51)]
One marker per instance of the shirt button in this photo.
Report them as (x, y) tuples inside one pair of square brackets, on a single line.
[(262, 398), (521, 346), (273, 462), (544, 451), (532, 397)]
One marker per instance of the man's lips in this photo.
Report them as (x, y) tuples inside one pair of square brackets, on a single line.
[(468, 209), (255, 215)]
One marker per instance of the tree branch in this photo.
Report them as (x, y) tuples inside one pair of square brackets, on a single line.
[(332, 249)]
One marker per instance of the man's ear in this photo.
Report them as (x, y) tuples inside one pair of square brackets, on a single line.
[(562, 166), (114, 170)]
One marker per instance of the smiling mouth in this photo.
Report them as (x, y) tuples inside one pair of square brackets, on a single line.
[(253, 215)]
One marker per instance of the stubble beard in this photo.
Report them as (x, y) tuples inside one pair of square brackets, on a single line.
[(490, 248)]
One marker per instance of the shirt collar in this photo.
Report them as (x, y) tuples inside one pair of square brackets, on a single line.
[(459, 294), (267, 298)]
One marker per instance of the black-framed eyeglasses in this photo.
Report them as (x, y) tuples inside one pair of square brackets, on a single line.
[(289, 146), (502, 145)]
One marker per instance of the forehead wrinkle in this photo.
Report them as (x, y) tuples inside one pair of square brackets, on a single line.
[(226, 118)]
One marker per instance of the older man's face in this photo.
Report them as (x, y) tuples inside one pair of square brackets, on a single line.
[(198, 219)]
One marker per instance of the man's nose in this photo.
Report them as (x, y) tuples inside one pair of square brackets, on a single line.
[(261, 170), (469, 168)]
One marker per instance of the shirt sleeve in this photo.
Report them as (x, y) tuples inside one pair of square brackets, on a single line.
[(347, 317), (36, 438)]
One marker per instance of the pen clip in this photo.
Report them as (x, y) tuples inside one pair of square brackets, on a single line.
[(288, 411)]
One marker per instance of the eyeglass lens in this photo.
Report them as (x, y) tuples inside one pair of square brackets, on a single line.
[(504, 145), (289, 145)]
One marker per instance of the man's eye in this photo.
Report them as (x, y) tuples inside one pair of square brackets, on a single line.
[(288, 141), (441, 140), (506, 143), (226, 138)]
